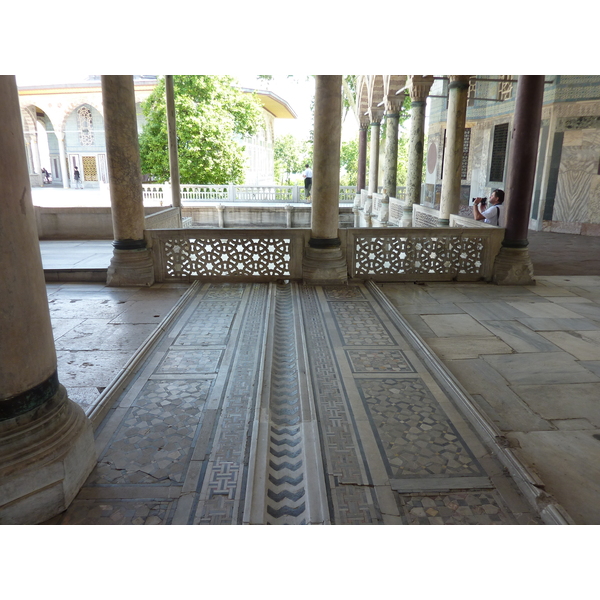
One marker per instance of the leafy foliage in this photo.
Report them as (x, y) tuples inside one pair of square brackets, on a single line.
[(213, 116), (290, 157), (349, 163)]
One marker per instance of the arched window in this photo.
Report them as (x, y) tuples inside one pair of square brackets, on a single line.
[(86, 128)]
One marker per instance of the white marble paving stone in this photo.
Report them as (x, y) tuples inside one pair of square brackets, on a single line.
[(492, 311), (90, 368), (575, 467), (583, 345), (544, 310), (98, 334), (549, 368), (62, 326), (519, 337), (563, 401), (549, 290), (481, 380), (429, 309), (455, 325), (586, 308), (150, 311), (446, 295), (457, 348), (591, 365), (555, 324)]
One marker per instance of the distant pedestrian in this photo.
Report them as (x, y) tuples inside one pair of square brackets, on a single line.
[(46, 175), (307, 181), (77, 177)]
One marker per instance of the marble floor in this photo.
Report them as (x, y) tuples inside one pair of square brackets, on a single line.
[(282, 404)]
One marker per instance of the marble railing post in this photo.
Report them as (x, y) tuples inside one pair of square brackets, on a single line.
[(513, 265), (46, 442), (131, 264), (419, 87), (172, 133), (324, 262), (458, 90)]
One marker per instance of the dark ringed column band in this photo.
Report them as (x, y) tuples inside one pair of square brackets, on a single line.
[(26, 401), (324, 243), (461, 85), (515, 243), (130, 244)]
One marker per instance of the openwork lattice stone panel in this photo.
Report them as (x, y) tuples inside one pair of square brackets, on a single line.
[(227, 257), (446, 255)]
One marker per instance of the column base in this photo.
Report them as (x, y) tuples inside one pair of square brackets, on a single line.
[(130, 268), (513, 267), (324, 266), (45, 458)]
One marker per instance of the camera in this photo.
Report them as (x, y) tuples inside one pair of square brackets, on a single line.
[(483, 201)]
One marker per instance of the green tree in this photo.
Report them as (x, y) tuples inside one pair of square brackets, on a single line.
[(213, 116), (349, 163), (290, 157)]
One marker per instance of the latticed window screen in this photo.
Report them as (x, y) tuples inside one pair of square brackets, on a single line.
[(505, 88), (499, 152), (90, 172), (464, 169), (86, 128)]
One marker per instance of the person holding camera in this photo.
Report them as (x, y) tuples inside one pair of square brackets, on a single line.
[(489, 214)]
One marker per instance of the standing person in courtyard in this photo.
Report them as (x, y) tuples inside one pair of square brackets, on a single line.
[(493, 213), (77, 177), (307, 181)]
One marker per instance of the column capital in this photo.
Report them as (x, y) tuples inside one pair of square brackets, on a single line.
[(393, 102), (419, 86), (376, 114)]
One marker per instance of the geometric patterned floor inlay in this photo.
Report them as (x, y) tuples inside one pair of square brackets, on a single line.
[(466, 508), (190, 361), (379, 361), (289, 404), (359, 325), (416, 436), (153, 442)]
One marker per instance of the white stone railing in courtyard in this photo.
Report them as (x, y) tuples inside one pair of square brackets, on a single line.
[(422, 254), (191, 194), (380, 254)]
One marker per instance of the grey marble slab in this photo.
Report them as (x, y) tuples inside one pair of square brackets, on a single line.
[(557, 324), (520, 337), (537, 368), (492, 311), (455, 325), (544, 310), (483, 382), (430, 309)]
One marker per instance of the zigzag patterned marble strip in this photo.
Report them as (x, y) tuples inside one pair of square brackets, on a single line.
[(286, 494)]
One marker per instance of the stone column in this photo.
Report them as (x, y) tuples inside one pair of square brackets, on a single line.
[(172, 132), (46, 442), (60, 136), (362, 157), (393, 104), (513, 265), (458, 90), (376, 115), (419, 87), (131, 264), (324, 262)]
